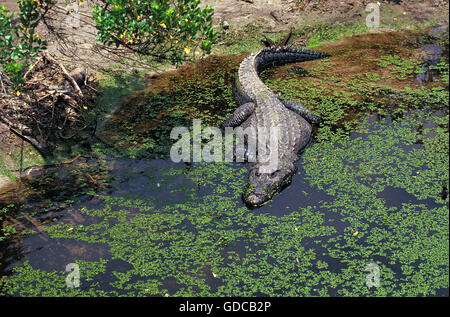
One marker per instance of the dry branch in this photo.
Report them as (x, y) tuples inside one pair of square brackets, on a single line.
[(32, 68), (38, 146), (66, 74), (49, 108), (16, 222)]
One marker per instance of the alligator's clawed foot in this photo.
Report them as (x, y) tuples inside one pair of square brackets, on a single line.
[(239, 115), (300, 109)]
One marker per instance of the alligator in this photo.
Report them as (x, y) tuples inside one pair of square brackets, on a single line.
[(260, 107)]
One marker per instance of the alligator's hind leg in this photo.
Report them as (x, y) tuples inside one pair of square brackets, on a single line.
[(302, 110), (240, 115)]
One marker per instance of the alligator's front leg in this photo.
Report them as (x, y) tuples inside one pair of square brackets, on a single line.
[(245, 148), (302, 110), (240, 115)]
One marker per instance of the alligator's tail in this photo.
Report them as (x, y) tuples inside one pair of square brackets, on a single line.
[(275, 56)]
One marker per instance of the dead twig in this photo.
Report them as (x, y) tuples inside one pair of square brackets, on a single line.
[(16, 222), (37, 225), (275, 16), (53, 165), (21, 159), (92, 179), (69, 100), (31, 69), (66, 74), (3, 86), (38, 146), (65, 137)]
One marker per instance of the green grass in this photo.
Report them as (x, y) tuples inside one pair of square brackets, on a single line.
[(114, 84), (30, 158), (330, 33)]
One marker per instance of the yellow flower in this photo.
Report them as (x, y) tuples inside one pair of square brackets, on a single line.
[(197, 53), (187, 50), (170, 37), (85, 108), (17, 93), (163, 25)]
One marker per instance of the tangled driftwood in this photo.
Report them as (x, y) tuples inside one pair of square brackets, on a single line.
[(48, 108)]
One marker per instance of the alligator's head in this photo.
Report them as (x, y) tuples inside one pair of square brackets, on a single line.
[(261, 187)]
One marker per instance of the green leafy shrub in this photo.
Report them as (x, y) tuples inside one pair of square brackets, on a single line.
[(19, 42), (165, 30)]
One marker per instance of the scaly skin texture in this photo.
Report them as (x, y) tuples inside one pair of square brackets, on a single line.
[(260, 108)]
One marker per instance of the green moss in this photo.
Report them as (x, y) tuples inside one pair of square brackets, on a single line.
[(403, 68), (332, 32)]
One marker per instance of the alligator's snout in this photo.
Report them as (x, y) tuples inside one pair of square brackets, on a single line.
[(261, 187), (255, 200)]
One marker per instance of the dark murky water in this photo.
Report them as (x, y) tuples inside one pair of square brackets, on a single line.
[(433, 54)]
